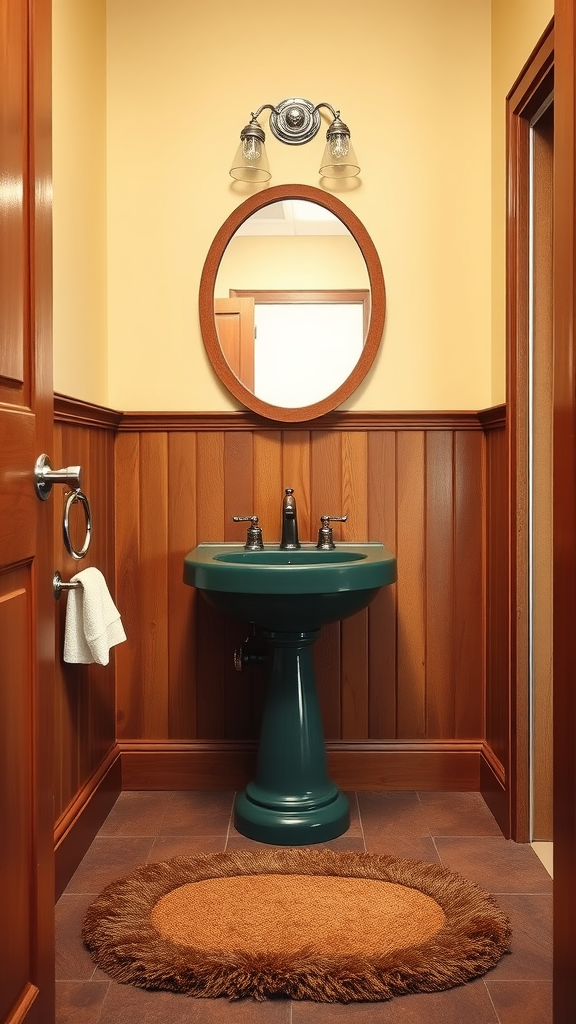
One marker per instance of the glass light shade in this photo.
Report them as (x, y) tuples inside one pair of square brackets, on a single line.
[(339, 160), (251, 161)]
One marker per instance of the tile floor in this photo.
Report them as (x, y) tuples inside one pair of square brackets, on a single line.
[(545, 852), (455, 829)]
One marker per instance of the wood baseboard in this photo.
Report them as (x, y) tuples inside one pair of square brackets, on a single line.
[(468, 765), (494, 789), (425, 765), (77, 827)]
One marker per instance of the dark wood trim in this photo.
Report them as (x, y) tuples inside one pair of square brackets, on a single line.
[(243, 420), (524, 95), (493, 418), (493, 788), (77, 827), (531, 89), (442, 765), (564, 489), (74, 410), (493, 765)]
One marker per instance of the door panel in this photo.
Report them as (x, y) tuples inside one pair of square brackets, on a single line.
[(235, 326), (15, 765), (26, 601), (12, 210)]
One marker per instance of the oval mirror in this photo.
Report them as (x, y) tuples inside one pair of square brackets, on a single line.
[(292, 303)]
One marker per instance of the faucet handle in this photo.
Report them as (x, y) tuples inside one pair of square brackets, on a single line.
[(325, 535), (254, 535)]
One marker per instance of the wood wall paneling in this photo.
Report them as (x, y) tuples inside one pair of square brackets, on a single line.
[(497, 577), (411, 612), (182, 511), (441, 580), (408, 670), (409, 667), (382, 613), (84, 694), (128, 585), (469, 588)]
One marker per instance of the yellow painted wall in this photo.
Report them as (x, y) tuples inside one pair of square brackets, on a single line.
[(413, 82), (79, 171), (516, 27), (416, 82)]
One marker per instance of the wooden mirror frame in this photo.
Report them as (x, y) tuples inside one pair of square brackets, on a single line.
[(206, 302)]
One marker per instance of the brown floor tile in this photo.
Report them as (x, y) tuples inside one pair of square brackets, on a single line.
[(73, 961), (413, 847), (126, 1004), (80, 1002), (349, 1013), (136, 814), (107, 859), (397, 812), (156, 826), (466, 1004), (531, 956), (166, 847), (498, 865), (345, 842), (197, 813), (522, 1002), (355, 823), (458, 814)]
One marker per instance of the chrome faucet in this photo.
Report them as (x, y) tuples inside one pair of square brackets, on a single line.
[(289, 521)]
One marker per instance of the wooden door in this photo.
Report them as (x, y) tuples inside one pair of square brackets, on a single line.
[(564, 512), (26, 600), (235, 326)]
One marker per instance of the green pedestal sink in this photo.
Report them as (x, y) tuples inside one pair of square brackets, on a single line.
[(290, 595)]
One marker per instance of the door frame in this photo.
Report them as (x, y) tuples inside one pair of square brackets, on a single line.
[(564, 516), (555, 56), (534, 85)]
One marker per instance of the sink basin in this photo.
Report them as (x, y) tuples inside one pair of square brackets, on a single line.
[(290, 595), (285, 590)]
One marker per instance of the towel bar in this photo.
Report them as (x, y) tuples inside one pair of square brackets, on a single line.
[(58, 585)]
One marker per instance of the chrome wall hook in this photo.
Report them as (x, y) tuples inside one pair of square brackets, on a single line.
[(45, 477)]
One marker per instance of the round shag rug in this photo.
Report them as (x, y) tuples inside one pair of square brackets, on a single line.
[(304, 924)]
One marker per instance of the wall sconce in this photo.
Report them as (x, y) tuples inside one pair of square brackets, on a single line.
[(294, 121)]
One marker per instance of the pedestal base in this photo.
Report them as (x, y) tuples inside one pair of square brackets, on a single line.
[(298, 826), (291, 801)]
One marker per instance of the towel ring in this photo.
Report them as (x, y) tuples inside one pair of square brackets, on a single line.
[(73, 497)]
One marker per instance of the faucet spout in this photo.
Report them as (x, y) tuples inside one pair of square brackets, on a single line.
[(289, 521)]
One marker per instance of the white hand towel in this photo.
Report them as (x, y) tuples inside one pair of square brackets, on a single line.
[(93, 623)]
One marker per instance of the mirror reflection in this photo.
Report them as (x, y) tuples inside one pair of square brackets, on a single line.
[(292, 303)]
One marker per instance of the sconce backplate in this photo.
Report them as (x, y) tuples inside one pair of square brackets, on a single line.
[(295, 121)]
